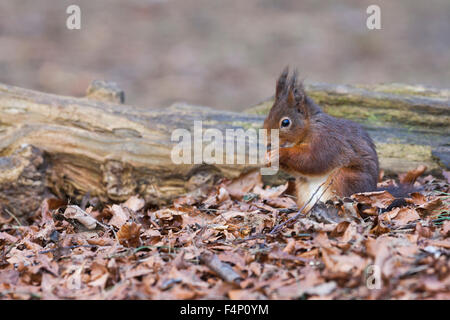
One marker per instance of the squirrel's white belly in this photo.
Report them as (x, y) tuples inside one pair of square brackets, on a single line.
[(306, 186)]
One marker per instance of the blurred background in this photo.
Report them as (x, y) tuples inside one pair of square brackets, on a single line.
[(223, 54)]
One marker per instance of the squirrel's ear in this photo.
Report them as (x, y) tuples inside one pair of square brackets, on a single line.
[(297, 95), (281, 83), (300, 98)]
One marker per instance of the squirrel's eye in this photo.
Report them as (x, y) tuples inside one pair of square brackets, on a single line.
[(285, 123)]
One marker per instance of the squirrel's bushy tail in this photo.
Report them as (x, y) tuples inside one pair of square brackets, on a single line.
[(404, 188), (400, 191)]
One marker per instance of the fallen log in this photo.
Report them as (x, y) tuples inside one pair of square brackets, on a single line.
[(95, 145)]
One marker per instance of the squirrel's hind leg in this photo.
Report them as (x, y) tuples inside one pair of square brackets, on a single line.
[(348, 181)]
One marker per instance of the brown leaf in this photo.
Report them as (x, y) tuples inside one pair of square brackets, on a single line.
[(167, 214), (379, 249), (434, 284), (417, 199), (428, 208), (55, 203), (282, 202), (49, 205), (101, 241), (184, 294), (405, 215), (322, 240), (379, 199), (290, 246), (311, 254), (217, 197), (244, 184), (340, 229), (245, 294), (180, 262), (9, 277), (380, 228), (134, 203), (280, 255), (120, 216), (440, 243), (411, 176), (340, 263), (423, 231), (322, 289), (446, 228), (98, 276), (129, 235), (76, 213), (7, 237), (187, 200), (232, 214), (270, 193)]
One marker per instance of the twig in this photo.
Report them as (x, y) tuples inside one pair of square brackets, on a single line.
[(87, 215), (281, 225), (278, 227), (403, 230), (223, 270), (13, 216)]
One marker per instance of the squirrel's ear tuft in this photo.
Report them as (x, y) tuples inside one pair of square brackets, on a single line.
[(296, 93), (282, 83), (291, 90)]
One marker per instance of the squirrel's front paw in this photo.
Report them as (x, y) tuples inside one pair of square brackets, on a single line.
[(271, 157)]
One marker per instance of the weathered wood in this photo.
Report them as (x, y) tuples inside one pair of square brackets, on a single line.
[(113, 151), (22, 182), (110, 150)]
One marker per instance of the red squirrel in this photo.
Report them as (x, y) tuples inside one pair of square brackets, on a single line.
[(318, 149)]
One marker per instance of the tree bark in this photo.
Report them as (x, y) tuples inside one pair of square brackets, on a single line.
[(97, 146)]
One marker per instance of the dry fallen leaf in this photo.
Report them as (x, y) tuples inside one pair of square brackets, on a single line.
[(270, 192), (129, 235), (440, 243), (319, 256), (411, 176), (76, 213), (281, 202), (406, 215), (244, 184), (400, 216), (134, 203), (428, 208), (379, 199), (416, 199), (120, 216), (446, 228)]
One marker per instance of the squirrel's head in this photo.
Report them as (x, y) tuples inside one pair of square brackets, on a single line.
[(291, 111)]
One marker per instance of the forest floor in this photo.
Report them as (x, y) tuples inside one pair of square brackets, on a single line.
[(224, 246)]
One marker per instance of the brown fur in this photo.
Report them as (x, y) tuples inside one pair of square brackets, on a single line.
[(317, 145)]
